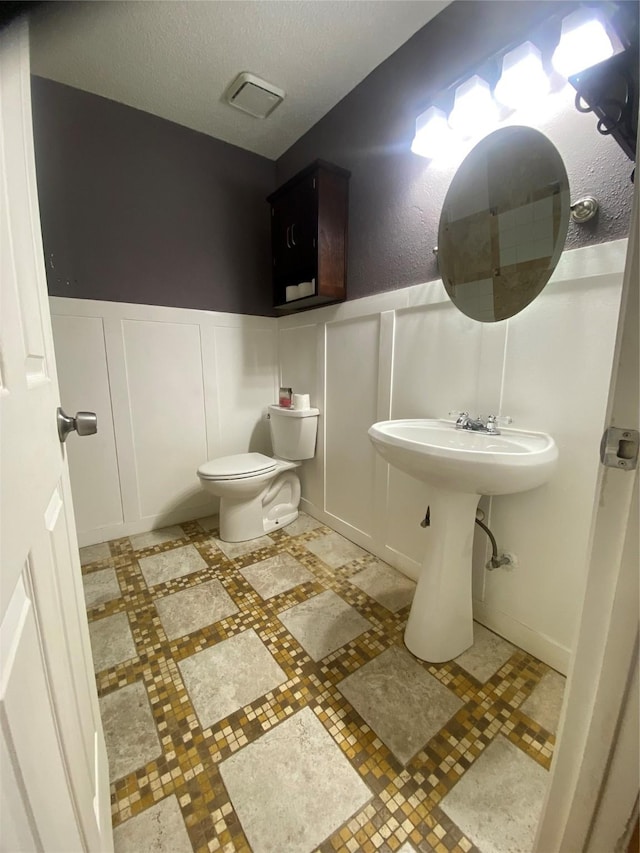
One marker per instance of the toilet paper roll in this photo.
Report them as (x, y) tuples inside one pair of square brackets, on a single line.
[(292, 292), (301, 401), (306, 288)]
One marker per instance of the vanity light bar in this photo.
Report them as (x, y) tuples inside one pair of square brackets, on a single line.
[(583, 42), (433, 135), (474, 111), (523, 78)]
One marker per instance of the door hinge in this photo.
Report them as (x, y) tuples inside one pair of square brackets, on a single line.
[(619, 448)]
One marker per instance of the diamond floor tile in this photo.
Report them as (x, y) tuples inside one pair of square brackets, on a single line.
[(159, 568), (92, 553), (303, 524), (498, 801), (100, 587), (129, 730), (241, 549), (335, 550), (393, 590), (111, 641), (189, 609), (486, 655), (324, 623), (228, 676), (403, 704), (545, 703), (159, 829), (276, 574), (293, 786)]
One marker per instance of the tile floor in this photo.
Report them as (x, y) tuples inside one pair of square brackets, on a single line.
[(258, 697)]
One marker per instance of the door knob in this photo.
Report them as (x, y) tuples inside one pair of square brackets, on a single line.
[(84, 423)]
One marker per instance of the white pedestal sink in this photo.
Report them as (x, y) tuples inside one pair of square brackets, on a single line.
[(461, 465)]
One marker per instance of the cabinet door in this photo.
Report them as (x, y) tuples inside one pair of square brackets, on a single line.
[(282, 216), (294, 233), (304, 229)]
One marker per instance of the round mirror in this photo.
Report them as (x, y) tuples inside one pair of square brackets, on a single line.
[(503, 224)]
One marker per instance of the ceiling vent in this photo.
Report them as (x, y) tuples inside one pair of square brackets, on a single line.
[(253, 95)]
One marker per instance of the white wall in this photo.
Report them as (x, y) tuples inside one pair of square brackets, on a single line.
[(172, 388), (411, 353)]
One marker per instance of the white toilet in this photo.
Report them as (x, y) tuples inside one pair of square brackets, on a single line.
[(259, 493)]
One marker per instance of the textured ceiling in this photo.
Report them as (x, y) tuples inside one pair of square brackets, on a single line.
[(175, 59)]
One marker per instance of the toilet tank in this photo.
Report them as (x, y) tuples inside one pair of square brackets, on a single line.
[(293, 432)]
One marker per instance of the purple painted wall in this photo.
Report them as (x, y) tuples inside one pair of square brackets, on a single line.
[(395, 197), (135, 208)]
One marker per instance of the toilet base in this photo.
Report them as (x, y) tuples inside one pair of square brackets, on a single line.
[(240, 520), (276, 506), (270, 525)]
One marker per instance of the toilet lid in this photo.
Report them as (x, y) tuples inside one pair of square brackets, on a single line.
[(240, 465)]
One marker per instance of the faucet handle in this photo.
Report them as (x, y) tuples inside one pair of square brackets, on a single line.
[(458, 415), (494, 421)]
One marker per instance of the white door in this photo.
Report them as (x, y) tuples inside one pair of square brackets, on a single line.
[(595, 771), (54, 791)]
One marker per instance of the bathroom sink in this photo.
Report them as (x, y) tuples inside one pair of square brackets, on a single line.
[(459, 465), (464, 461)]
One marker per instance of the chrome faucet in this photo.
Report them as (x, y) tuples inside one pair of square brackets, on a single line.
[(488, 425)]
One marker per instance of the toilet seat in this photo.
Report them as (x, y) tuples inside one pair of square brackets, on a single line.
[(237, 467)]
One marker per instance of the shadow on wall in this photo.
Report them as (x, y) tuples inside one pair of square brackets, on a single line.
[(260, 441)]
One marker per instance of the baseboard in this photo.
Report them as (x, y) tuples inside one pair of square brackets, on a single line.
[(143, 525), (537, 644)]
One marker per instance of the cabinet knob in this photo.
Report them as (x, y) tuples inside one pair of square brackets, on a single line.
[(293, 242)]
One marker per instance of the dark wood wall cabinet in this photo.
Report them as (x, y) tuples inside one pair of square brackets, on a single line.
[(309, 238)]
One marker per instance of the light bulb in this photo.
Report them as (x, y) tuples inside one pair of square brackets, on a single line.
[(433, 134), (584, 42), (523, 80), (474, 111)]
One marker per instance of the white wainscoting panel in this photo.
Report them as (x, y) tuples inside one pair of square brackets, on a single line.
[(298, 359), (567, 370), (166, 401), (301, 351), (247, 384), (172, 387), (407, 502), (436, 362), (84, 386), (548, 368), (351, 405)]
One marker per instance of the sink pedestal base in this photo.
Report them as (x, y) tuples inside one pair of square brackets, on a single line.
[(440, 625)]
